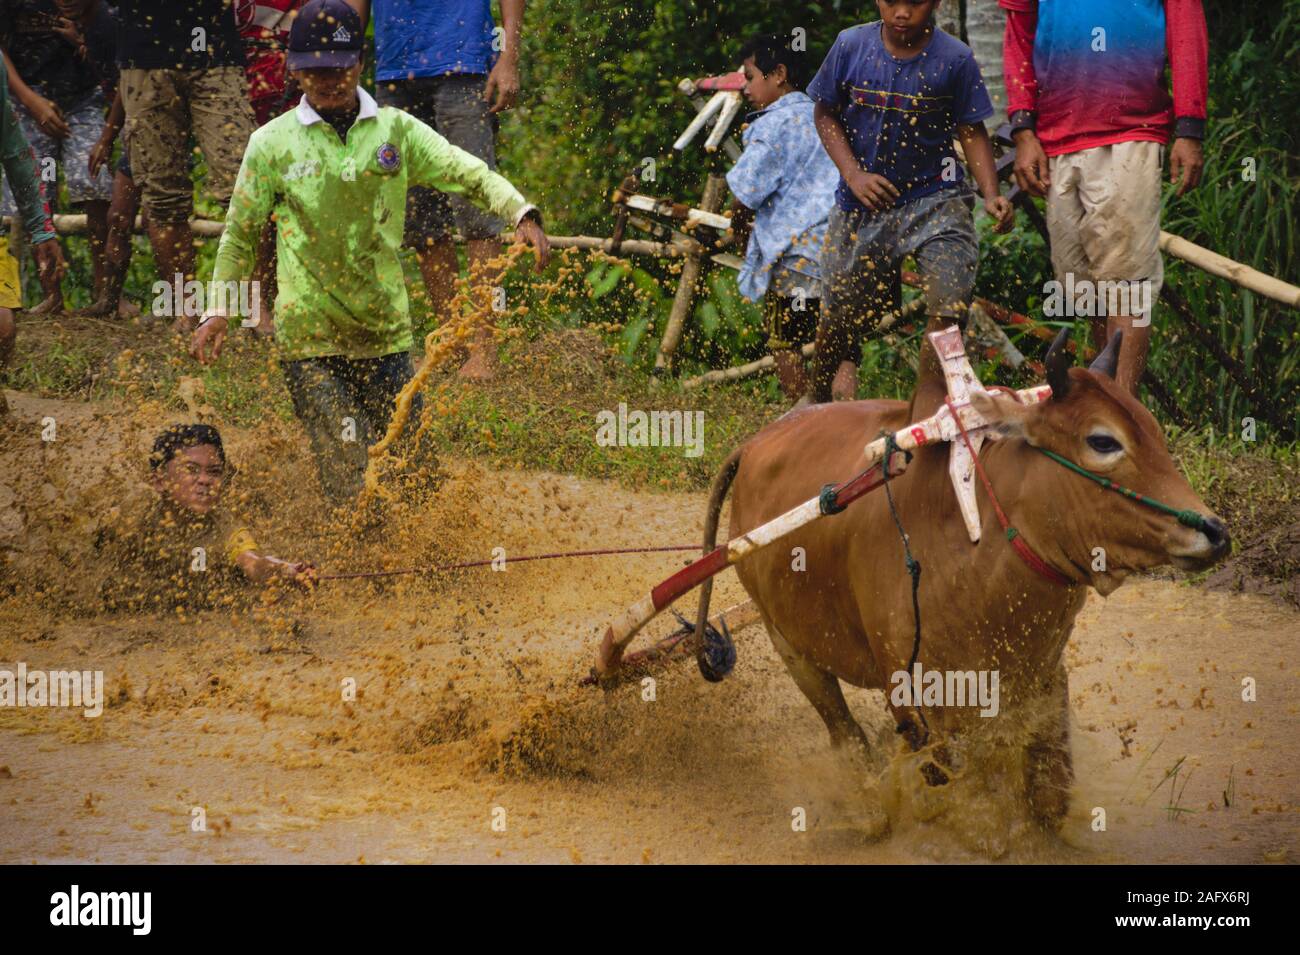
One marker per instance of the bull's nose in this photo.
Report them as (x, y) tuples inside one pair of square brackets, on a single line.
[(1218, 536)]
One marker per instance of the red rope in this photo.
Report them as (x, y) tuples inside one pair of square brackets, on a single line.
[(509, 560), (1018, 543)]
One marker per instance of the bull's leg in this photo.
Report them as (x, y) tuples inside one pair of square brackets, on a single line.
[(1049, 770), (823, 692)]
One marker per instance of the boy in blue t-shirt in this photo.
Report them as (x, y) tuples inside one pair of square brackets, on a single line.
[(784, 188), (890, 97)]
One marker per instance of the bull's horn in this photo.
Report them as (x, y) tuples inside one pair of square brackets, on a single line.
[(1108, 361), (1058, 365)]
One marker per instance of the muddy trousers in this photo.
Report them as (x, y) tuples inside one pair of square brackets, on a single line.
[(345, 405), (861, 258)]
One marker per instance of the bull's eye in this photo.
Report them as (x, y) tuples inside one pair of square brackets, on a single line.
[(1104, 444)]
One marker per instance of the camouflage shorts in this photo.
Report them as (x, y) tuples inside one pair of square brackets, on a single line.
[(69, 156), (164, 108)]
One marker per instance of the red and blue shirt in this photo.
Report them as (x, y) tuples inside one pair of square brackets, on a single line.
[(1094, 70), (900, 115)]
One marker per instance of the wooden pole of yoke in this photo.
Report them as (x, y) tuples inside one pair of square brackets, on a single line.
[(938, 427)]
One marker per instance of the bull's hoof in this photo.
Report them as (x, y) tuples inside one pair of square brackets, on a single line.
[(716, 654)]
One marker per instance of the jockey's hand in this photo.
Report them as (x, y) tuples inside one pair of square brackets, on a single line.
[(1031, 164), (530, 230), (206, 342), (1186, 163), (873, 190)]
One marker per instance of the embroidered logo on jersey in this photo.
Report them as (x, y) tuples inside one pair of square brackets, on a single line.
[(387, 157)]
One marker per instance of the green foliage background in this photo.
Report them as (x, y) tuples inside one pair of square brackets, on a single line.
[(599, 96)]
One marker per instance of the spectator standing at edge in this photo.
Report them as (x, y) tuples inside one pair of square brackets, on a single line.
[(438, 60), (1091, 115), (182, 74), (58, 93), (18, 167)]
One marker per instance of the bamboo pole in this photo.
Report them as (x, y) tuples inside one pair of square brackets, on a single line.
[(209, 228), (1218, 265), (1226, 268)]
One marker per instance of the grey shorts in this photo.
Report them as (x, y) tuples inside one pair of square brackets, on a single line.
[(863, 254), (454, 106), (70, 155)]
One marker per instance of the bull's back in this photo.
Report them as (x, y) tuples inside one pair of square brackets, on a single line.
[(807, 594)]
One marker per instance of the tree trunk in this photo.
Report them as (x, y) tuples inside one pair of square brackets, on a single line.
[(983, 29)]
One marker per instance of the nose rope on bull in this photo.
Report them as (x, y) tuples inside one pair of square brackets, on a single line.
[(1188, 518)]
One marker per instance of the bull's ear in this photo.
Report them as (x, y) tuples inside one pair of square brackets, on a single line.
[(1005, 415)]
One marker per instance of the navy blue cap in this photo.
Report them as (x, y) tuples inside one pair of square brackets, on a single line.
[(326, 34)]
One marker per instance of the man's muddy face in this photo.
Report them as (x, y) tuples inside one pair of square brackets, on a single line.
[(193, 479), (329, 89)]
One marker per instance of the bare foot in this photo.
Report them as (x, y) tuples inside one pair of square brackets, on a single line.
[(127, 309), (844, 387), (52, 305), (482, 364)]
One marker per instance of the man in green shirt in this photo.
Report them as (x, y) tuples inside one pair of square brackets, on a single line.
[(18, 164), (335, 172)]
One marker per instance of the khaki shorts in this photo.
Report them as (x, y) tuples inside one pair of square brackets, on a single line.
[(11, 290), (454, 106), (1103, 213), (163, 109)]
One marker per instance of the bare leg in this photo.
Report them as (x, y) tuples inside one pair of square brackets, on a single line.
[(52, 303), (790, 372), (117, 246), (440, 268), (8, 334), (482, 362), (173, 249), (97, 233), (823, 692), (844, 387)]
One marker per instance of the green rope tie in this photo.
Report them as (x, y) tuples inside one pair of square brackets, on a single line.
[(1187, 518)]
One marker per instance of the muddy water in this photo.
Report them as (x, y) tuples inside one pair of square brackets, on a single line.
[(467, 714)]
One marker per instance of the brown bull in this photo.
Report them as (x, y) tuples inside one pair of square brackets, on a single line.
[(848, 614)]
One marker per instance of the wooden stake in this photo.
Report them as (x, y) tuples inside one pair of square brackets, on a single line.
[(691, 271)]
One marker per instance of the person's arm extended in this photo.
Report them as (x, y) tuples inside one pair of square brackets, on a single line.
[(1187, 47), (979, 156), (261, 568), (437, 163), (44, 112), (1031, 169), (872, 190), (250, 204), (502, 86)]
